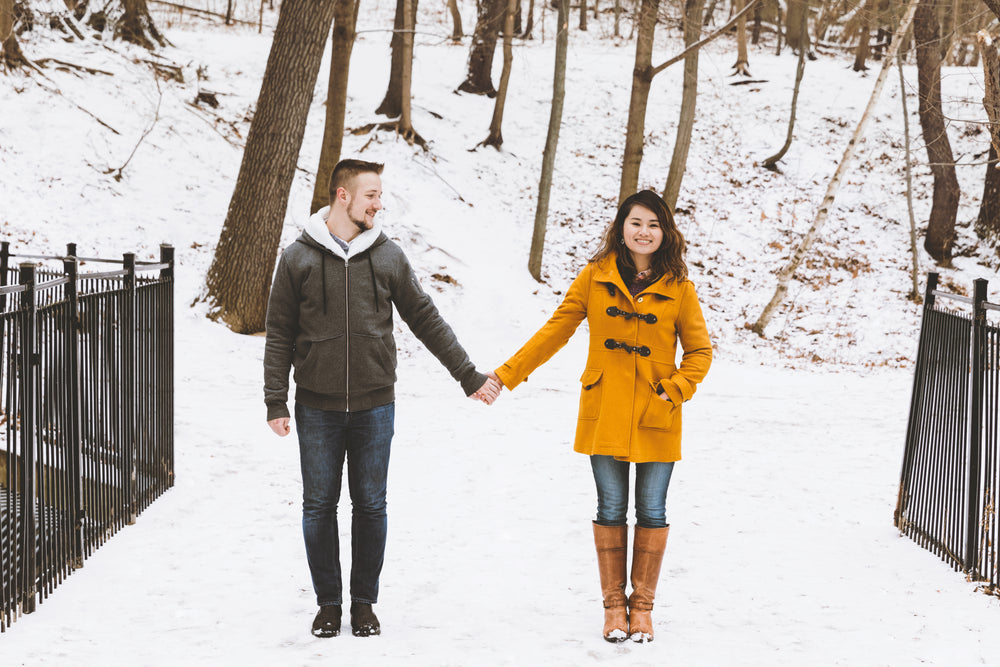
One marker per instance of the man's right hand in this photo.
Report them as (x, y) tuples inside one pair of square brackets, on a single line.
[(280, 426)]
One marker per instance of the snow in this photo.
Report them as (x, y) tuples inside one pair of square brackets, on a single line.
[(782, 549)]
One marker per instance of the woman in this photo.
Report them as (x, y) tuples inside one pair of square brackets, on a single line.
[(638, 302)]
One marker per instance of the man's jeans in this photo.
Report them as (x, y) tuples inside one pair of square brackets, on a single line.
[(324, 439), (651, 483)]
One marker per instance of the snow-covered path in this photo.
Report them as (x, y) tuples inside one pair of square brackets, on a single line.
[(782, 549)]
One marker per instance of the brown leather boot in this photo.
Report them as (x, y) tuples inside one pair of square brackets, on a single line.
[(647, 556), (611, 542)]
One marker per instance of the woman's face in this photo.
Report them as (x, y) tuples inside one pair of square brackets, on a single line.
[(642, 232)]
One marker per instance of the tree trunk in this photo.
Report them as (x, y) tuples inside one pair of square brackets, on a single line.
[(618, 18), (392, 103), (642, 78), (479, 79), (456, 22), (529, 24), (757, 18), (10, 51), (689, 97), (240, 276), (914, 294), (944, 207), (495, 137), (742, 64), (823, 213), (988, 222), (800, 68), (405, 127), (795, 37), (551, 142), (864, 38), (342, 43), (583, 15), (136, 25)]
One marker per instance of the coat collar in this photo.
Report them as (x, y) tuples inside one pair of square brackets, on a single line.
[(606, 271)]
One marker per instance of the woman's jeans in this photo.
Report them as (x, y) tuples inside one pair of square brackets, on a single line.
[(325, 437), (651, 482)]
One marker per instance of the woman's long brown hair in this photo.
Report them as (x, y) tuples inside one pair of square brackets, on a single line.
[(668, 259)]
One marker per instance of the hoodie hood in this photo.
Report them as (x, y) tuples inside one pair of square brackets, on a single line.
[(317, 230)]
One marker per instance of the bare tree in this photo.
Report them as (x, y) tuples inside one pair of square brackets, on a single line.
[(864, 36), (10, 51), (988, 221), (240, 275), (529, 23), (456, 22), (495, 137), (489, 18), (800, 68), (795, 36), (689, 98), (944, 205), (392, 103), (136, 25), (551, 141), (583, 15), (345, 19), (914, 294), (742, 64), (823, 212), (642, 77)]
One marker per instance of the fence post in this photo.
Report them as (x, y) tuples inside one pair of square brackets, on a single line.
[(27, 363), (167, 275), (71, 266), (128, 390), (976, 421)]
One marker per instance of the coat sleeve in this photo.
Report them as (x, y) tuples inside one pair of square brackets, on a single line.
[(693, 335), (281, 327), (553, 335), (425, 321)]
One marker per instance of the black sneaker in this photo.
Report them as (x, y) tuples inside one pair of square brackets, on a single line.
[(364, 623), (327, 621)]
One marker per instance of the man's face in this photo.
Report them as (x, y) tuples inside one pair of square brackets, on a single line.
[(364, 200)]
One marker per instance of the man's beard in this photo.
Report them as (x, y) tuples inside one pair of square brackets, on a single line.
[(360, 223)]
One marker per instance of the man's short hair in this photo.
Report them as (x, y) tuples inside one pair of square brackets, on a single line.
[(347, 170)]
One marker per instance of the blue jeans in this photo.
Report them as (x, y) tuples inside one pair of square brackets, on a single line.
[(651, 482), (325, 437)]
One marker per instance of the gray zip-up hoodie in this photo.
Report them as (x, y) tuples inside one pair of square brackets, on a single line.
[(330, 317)]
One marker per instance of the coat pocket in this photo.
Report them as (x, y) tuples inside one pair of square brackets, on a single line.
[(590, 394), (322, 365), (659, 413)]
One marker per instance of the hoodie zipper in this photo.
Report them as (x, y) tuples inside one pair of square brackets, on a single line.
[(347, 337)]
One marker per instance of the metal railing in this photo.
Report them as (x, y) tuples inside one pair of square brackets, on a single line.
[(950, 477), (86, 411)]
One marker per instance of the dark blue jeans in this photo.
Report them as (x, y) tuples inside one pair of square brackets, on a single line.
[(325, 438), (651, 483)]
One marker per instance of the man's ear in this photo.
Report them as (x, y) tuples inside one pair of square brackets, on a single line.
[(341, 194)]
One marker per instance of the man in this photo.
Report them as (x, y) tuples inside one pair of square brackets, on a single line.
[(330, 317)]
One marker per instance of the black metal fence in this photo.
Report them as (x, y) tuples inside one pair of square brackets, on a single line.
[(86, 411), (948, 488)]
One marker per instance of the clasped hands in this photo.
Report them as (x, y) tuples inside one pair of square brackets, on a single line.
[(490, 390)]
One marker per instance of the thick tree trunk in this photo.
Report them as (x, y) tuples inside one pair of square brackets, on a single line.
[(795, 37), (944, 207), (495, 137), (583, 15), (689, 97), (240, 276), (742, 64), (342, 43), (551, 142), (136, 25), (988, 222), (405, 128), (757, 18), (864, 38), (10, 51), (642, 78), (479, 79), (456, 21), (392, 103)]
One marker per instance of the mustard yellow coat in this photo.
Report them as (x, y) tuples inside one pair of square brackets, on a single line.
[(631, 360)]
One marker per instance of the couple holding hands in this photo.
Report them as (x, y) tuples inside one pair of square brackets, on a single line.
[(330, 318)]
